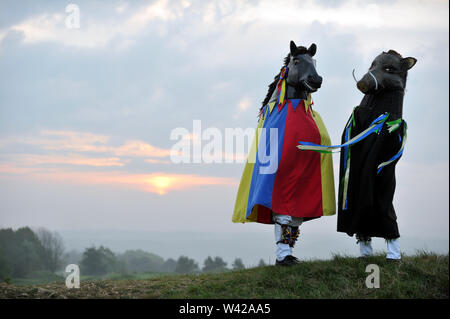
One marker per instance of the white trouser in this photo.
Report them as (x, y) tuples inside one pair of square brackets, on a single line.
[(393, 246), (284, 250), (365, 248)]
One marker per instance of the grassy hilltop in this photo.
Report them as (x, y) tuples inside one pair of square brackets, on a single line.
[(422, 276)]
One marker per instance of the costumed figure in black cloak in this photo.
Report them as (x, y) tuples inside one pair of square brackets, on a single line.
[(372, 143)]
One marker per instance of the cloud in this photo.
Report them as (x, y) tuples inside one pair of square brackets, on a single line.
[(87, 146), (159, 182), (163, 183), (83, 148), (12, 169), (157, 161), (51, 28), (93, 32), (233, 27), (139, 149), (209, 60), (243, 105), (61, 140), (351, 14), (240, 37), (72, 159), (159, 10), (71, 140)]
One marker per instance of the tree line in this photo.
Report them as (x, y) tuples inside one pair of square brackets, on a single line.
[(24, 252), (27, 253), (100, 261)]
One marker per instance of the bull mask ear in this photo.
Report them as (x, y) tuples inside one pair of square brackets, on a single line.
[(409, 62), (293, 48), (312, 49)]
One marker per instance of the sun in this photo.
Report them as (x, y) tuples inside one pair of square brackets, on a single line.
[(161, 183)]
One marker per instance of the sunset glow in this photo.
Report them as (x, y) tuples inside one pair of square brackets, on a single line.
[(161, 183)]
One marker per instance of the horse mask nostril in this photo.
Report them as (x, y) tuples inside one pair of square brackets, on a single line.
[(319, 79), (315, 80), (362, 86)]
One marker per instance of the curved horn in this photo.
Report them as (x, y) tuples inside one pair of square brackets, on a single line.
[(353, 73)]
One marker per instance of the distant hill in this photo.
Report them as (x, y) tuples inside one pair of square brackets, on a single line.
[(424, 275)]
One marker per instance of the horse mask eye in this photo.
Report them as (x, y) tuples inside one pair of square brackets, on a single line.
[(295, 51)]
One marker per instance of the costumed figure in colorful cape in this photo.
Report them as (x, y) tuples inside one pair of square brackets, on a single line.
[(281, 185), (372, 143)]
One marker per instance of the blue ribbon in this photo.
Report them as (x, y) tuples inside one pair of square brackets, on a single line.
[(379, 121)]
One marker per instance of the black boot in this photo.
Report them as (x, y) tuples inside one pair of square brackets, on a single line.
[(288, 261)]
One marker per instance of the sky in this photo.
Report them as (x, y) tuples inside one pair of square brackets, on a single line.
[(92, 93)]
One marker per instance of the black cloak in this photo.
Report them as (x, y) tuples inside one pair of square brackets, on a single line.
[(369, 209)]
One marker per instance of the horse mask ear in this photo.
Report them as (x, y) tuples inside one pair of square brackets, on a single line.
[(408, 62), (312, 49), (293, 48)]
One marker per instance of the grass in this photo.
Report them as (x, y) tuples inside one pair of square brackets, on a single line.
[(424, 275), (41, 278), (37, 278)]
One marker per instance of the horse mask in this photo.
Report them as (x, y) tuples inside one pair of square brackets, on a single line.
[(387, 72), (302, 72)]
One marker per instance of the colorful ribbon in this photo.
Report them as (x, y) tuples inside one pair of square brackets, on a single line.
[(281, 88), (345, 179), (374, 127), (392, 128)]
